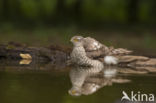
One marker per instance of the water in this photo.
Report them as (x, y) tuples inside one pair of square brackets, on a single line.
[(47, 83)]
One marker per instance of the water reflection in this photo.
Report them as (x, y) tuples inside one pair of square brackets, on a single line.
[(27, 65), (40, 81), (86, 81)]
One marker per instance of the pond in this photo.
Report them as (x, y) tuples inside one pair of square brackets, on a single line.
[(47, 83)]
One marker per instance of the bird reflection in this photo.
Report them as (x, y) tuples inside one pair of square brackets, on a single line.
[(88, 80)]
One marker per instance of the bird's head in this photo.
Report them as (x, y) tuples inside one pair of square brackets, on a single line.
[(75, 91), (77, 40)]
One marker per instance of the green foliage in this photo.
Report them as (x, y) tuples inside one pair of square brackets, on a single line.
[(106, 10), (48, 6), (30, 8), (91, 11), (144, 11)]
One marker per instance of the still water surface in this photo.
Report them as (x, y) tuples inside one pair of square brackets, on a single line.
[(45, 83)]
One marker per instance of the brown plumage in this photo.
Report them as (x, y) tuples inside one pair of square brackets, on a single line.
[(94, 48)]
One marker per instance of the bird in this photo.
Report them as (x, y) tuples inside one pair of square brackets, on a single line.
[(79, 56), (90, 52)]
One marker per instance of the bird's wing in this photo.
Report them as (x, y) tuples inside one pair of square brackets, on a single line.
[(95, 54), (90, 44), (96, 50), (93, 48)]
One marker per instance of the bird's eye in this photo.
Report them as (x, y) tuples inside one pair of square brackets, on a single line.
[(76, 39)]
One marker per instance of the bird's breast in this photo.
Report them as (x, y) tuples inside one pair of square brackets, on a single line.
[(78, 54)]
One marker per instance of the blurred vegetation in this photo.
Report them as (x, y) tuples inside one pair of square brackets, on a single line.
[(78, 11)]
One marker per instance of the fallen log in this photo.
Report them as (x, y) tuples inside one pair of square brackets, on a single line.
[(58, 55), (51, 53)]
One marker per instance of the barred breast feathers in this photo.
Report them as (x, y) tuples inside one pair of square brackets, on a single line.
[(79, 57)]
